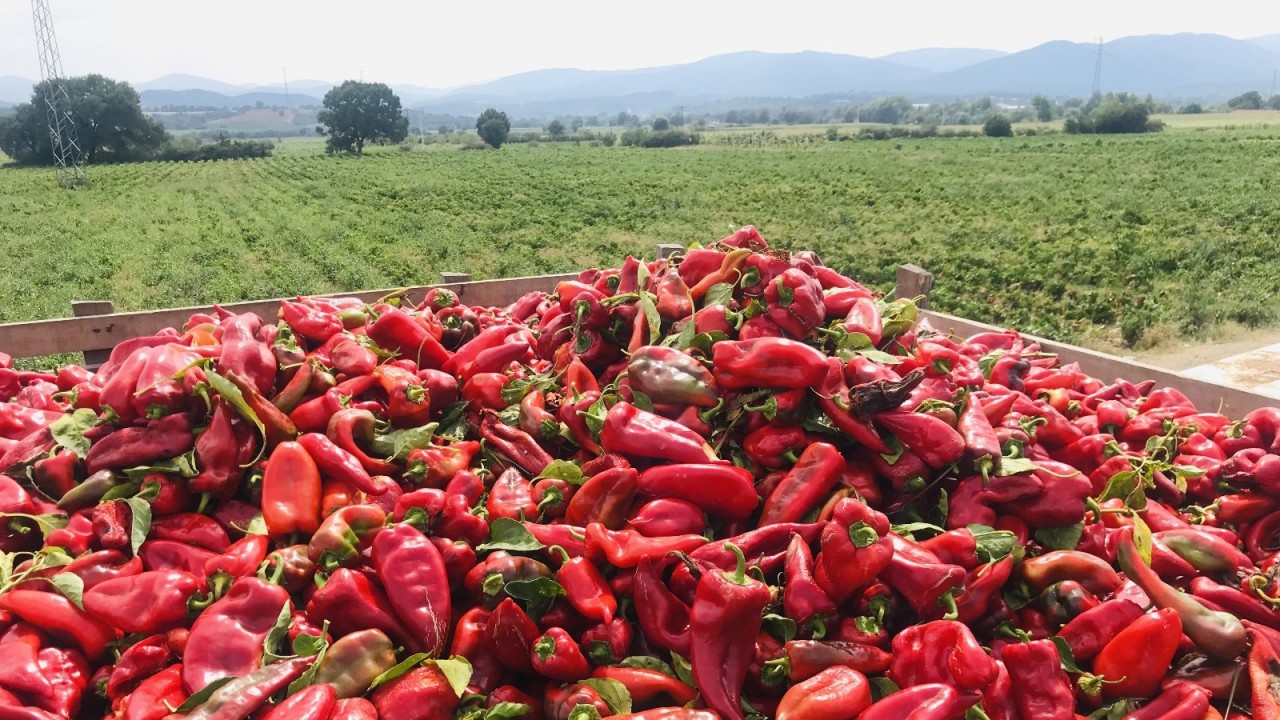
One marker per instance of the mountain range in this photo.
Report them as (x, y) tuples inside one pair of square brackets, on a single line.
[(1182, 67)]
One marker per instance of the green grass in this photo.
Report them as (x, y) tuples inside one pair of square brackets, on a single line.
[(1069, 236)]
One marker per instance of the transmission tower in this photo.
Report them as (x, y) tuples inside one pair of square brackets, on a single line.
[(62, 130), (1097, 70)]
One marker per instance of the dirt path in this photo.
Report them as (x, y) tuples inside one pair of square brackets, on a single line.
[(1182, 355)]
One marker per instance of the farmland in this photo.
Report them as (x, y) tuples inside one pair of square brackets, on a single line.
[(1102, 239)]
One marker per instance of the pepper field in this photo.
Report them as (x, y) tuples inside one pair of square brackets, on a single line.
[(1074, 237)]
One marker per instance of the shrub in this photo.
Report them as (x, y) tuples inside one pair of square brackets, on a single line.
[(997, 126)]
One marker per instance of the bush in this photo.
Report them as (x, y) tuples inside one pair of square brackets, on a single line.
[(997, 126), (224, 149), (643, 137)]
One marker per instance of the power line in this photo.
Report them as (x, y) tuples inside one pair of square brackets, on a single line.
[(62, 130), (1097, 70)]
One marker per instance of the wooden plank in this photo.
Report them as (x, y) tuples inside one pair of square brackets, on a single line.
[(666, 250), (914, 281), (103, 332), (1207, 396), (93, 359), (454, 277)]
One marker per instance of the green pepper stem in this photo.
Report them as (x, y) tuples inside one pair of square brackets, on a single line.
[(739, 574), (557, 550)]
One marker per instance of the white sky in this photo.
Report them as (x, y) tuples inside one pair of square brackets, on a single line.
[(437, 43)]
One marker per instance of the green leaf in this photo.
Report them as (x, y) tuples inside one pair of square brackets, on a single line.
[(684, 670), (278, 632), (141, 525), (1115, 711), (647, 662), (399, 669), (880, 356), (256, 526), (882, 686), (305, 645), (911, 530), (685, 339), (1066, 657), (718, 294), (45, 523), (1065, 537), (651, 315), (594, 417), (70, 585), (614, 694), (642, 401), (457, 670), (1142, 538), (508, 534), (538, 594), (703, 342), (506, 711), (68, 430), (992, 544), (1015, 466), (563, 470), (453, 426), (231, 394), (399, 443), (783, 628), (199, 698)]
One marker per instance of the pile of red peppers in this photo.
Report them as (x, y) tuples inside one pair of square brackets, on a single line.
[(730, 484)]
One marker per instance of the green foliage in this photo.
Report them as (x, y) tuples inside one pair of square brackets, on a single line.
[(644, 137), (555, 129), (110, 124), (890, 110), (1251, 100), (997, 126), (493, 127), (1054, 235), (1191, 109), (660, 123), (190, 148), (1043, 107), (1113, 114), (358, 112)]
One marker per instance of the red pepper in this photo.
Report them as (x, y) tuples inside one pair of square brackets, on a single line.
[(668, 516), (55, 476), (795, 302), (635, 433), (1041, 687), (555, 655), (1138, 656), (804, 659), (291, 491), (855, 549), (402, 333), (937, 443), (351, 602), (515, 444), (148, 603), (586, 589), (837, 693), (932, 701), (335, 463), (226, 639), (160, 439), (511, 497), (766, 363), (434, 466), (648, 687), (662, 616), (56, 614), (814, 476), (1094, 573), (724, 491), (572, 414), (313, 702), (626, 548), (469, 642), (240, 559), (775, 446), (802, 598), (535, 419), (607, 643), (351, 428), (723, 622), (1183, 701), (155, 695), (20, 671), (941, 651), (552, 495), (668, 375), (414, 575), (245, 355), (510, 634), (351, 358)]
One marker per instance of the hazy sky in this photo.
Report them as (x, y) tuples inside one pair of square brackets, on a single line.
[(443, 44)]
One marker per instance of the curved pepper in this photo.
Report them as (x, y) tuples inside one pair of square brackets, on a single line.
[(636, 433), (723, 623), (668, 375), (335, 463), (353, 661), (1138, 656), (148, 603), (226, 639), (626, 548), (54, 613), (313, 702), (240, 697), (932, 701), (766, 363), (351, 602), (814, 476), (721, 490)]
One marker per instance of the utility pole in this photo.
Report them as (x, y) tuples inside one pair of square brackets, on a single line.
[(287, 101), (1097, 70), (62, 130)]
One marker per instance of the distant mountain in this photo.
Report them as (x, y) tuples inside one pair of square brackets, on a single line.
[(15, 90), (1187, 65), (942, 60), (156, 99), (183, 81), (1270, 42)]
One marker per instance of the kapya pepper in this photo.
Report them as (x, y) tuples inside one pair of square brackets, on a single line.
[(794, 301), (814, 475), (1132, 664), (510, 634), (837, 693), (148, 603), (351, 602), (941, 651), (668, 375), (159, 439), (766, 363), (227, 638), (723, 622), (353, 661), (291, 491), (721, 490), (855, 549), (556, 655), (54, 613), (414, 575), (635, 433), (1041, 687), (802, 598)]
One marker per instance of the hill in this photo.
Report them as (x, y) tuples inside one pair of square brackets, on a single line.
[(942, 59), (14, 90), (156, 99)]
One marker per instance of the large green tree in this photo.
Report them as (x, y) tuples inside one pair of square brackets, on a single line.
[(358, 112), (110, 124), (493, 127)]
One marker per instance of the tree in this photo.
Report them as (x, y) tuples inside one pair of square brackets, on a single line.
[(493, 127), (357, 112), (1273, 103), (1043, 107), (890, 110), (661, 123), (110, 124), (556, 129), (1118, 116), (1191, 109), (1251, 100), (997, 126)]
